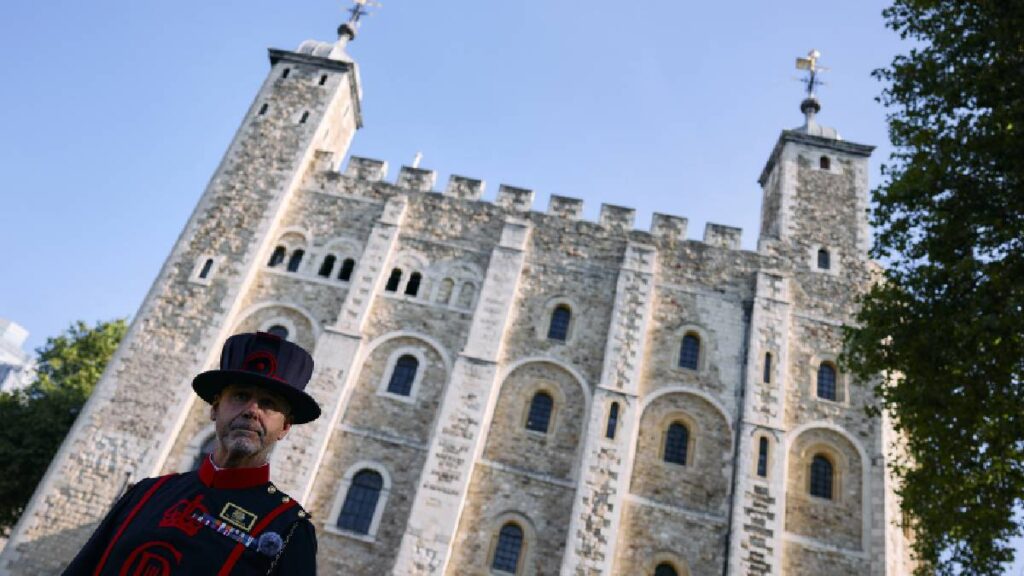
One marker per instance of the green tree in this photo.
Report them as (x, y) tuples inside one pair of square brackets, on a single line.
[(36, 419), (946, 325)]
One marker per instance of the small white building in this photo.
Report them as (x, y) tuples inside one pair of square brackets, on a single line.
[(17, 367)]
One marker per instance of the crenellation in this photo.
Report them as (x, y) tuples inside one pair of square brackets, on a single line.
[(617, 218), (671, 227), (722, 236), (418, 179), (465, 188), (565, 207), (513, 198), (367, 169)]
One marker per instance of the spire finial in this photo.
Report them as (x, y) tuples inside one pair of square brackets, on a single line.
[(360, 8), (810, 105)]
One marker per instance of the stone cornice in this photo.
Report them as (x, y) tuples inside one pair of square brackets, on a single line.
[(817, 141)]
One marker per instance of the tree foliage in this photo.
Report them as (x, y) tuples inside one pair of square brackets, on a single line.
[(36, 419), (946, 325)]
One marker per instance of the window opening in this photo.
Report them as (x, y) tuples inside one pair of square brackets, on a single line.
[(466, 294), (767, 378), (613, 421), (327, 266), (824, 259), (361, 502), (277, 257), (824, 162), (263, 109), (558, 329), (286, 72), (295, 260), (508, 549), (305, 116), (279, 331), (323, 79), (665, 569), (394, 280), (676, 440), (539, 417), (206, 269), (821, 477), (414, 284), (346, 269), (403, 375), (762, 457), (826, 381), (689, 352)]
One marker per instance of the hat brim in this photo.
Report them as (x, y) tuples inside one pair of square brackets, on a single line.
[(303, 408)]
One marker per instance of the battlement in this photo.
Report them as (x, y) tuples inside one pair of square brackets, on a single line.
[(620, 219)]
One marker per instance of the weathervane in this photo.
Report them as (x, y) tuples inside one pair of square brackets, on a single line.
[(359, 9), (810, 63)]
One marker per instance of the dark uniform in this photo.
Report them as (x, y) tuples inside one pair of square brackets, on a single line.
[(212, 521)]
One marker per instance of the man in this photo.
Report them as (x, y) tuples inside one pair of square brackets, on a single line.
[(227, 517)]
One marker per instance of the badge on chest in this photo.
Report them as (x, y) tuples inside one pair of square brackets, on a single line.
[(237, 516)]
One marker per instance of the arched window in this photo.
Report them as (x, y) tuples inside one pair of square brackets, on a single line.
[(295, 260), (205, 450), (558, 329), (444, 293), (676, 440), (824, 162), (414, 284), (277, 257), (328, 266), (508, 549), (613, 421), (207, 266), (821, 477), (767, 377), (762, 457), (689, 352), (403, 375), (827, 381), (361, 502), (279, 331), (466, 295), (665, 569), (539, 417), (394, 280), (824, 259), (346, 269)]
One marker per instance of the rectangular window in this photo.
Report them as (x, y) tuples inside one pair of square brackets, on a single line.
[(762, 458)]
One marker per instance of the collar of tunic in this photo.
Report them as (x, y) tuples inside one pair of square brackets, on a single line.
[(232, 478)]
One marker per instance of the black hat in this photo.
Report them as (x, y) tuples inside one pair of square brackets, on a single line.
[(267, 361)]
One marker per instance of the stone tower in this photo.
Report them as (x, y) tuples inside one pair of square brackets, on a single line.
[(511, 391)]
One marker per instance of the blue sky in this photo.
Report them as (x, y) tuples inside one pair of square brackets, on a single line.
[(116, 112)]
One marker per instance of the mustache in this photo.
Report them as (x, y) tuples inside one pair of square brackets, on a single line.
[(248, 426)]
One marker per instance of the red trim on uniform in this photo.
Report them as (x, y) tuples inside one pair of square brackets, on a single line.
[(232, 478), (239, 548), (128, 520)]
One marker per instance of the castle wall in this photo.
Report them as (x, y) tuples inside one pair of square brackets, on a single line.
[(365, 272)]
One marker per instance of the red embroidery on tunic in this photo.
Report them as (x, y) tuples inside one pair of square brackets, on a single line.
[(151, 559), (180, 515)]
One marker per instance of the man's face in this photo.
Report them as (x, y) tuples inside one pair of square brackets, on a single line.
[(249, 421)]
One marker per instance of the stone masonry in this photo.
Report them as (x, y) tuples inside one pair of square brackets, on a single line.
[(630, 336)]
